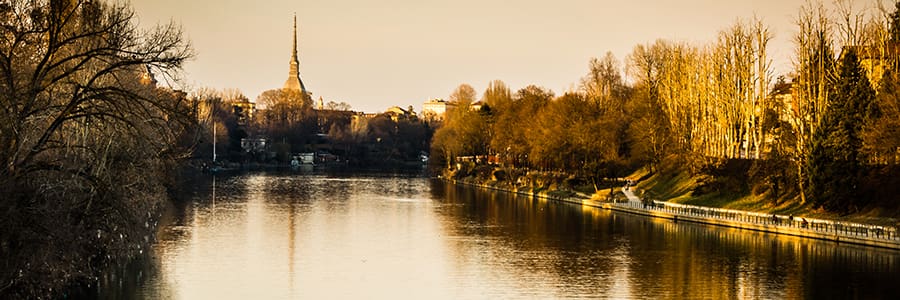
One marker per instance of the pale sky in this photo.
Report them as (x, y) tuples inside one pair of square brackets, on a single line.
[(376, 54)]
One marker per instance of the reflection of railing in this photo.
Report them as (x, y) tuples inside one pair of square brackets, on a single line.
[(808, 224)]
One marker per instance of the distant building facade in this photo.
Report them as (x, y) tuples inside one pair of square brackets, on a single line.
[(477, 105), (396, 113), (436, 109), (254, 145), (244, 110)]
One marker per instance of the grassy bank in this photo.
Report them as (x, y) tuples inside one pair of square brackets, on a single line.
[(731, 187)]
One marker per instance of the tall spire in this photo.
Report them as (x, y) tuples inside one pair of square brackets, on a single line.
[(294, 51), (293, 82)]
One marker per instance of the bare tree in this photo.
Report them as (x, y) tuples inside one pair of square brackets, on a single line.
[(64, 63), (762, 37), (814, 63), (851, 23), (463, 95), (230, 95), (604, 81), (651, 125), (85, 136), (497, 95), (340, 106)]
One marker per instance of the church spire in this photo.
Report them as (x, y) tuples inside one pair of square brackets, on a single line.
[(293, 82)]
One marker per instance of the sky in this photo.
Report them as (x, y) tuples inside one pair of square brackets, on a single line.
[(377, 54)]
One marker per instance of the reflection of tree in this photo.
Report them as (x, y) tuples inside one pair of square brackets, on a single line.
[(551, 242), (549, 247)]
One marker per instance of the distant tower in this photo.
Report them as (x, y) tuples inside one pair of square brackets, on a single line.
[(293, 82)]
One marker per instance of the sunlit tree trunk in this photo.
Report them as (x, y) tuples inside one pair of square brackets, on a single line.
[(814, 64)]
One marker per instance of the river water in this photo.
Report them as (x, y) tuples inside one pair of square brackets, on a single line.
[(320, 236)]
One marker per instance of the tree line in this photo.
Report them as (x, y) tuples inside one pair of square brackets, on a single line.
[(824, 133), (87, 141), (290, 123), (91, 141)]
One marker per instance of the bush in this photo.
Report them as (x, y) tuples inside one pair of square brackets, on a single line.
[(724, 176)]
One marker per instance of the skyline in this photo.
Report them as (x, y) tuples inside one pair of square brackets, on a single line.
[(374, 55)]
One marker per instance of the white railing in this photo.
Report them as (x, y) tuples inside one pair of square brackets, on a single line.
[(817, 225)]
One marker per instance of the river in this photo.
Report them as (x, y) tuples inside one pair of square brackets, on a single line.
[(286, 235)]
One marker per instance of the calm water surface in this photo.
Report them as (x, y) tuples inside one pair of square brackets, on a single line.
[(287, 236)]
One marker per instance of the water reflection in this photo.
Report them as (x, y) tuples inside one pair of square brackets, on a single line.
[(613, 255), (281, 236)]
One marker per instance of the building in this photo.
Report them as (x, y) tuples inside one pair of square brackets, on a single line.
[(396, 110), (293, 82), (244, 110), (254, 145), (435, 109), (147, 77), (477, 105), (396, 113)]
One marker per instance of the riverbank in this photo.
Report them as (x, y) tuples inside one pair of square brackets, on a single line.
[(822, 229), (529, 192), (734, 189)]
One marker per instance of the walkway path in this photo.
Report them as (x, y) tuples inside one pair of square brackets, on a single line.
[(882, 236), (862, 234), (629, 192)]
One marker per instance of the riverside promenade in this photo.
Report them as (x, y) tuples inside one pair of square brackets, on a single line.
[(842, 232), (837, 231)]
